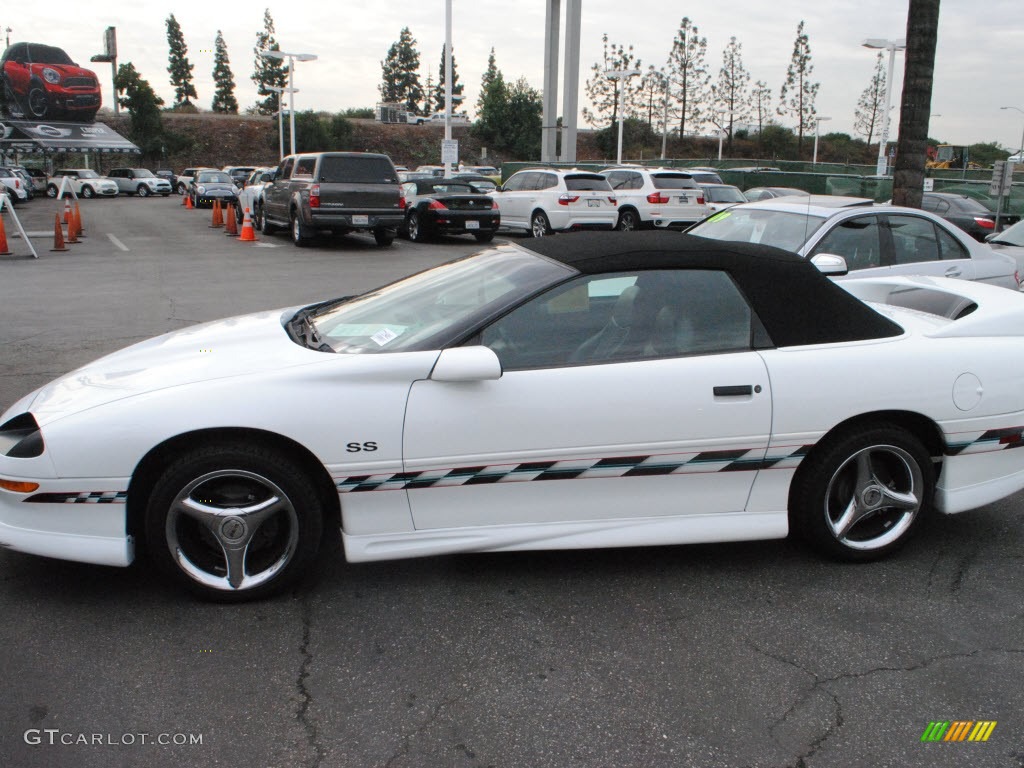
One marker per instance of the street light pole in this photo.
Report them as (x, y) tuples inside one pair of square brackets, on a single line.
[(817, 128), (280, 115), (292, 58), (1020, 153), (891, 46), (620, 75)]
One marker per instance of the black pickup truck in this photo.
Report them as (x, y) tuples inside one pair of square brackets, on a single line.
[(339, 192)]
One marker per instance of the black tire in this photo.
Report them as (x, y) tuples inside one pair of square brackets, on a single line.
[(483, 237), (182, 189), (233, 522), (629, 220), (416, 230), (384, 237), (539, 224), (88, 192), (298, 231), (36, 101), (264, 226), (861, 494), (142, 190), (51, 191)]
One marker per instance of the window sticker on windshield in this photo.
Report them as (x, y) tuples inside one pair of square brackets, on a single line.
[(720, 215), (383, 336)]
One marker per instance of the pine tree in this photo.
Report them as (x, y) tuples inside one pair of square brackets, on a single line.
[(760, 103), (456, 85), (798, 92), (654, 87), (868, 114), (180, 69), (268, 72), (489, 76), (730, 93), (224, 97), (609, 96), (688, 76), (428, 95), (400, 83)]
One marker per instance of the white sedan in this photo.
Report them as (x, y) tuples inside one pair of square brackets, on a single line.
[(593, 391)]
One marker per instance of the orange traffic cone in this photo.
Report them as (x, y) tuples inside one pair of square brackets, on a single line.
[(248, 234), (72, 238), (218, 216), (188, 202), (78, 221), (67, 211), (230, 222), (58, 235), (184, 199), (4, 250)]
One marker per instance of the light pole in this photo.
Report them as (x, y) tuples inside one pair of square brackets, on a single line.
[(1020, 153), (280, 115), (620, 75), (292, 58), (891, 46), (817, 129)]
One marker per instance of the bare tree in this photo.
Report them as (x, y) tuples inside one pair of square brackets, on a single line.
[(609, 96), (760, 104), (688, 76), (731, 93), (870, 105), (916, 103), (798, 92), (654, 84)]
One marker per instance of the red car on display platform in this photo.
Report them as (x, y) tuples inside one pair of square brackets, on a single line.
[(41, 82)]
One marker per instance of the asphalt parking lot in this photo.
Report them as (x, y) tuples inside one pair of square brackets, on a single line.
[(756, 654)]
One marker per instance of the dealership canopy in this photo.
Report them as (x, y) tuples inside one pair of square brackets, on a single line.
[(27, 137)]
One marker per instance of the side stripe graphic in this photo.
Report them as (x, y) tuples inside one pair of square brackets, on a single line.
[(82, 497), (742, 460)]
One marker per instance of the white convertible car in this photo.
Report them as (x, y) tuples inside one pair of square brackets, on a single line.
[(582, 391)]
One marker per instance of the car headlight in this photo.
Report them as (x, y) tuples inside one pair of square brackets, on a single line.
[(20, 437), (51, 76), (201, 190)]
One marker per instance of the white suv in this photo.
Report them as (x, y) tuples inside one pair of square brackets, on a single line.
[(84, 181), (546, 200), (656, 197)]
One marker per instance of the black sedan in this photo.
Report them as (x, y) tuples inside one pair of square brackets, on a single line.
[(438, 206), (966, 212), (213, 185)]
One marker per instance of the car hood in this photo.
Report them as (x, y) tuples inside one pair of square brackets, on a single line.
[(239, 346)]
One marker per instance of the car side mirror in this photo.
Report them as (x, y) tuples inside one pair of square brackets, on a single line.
[(991, 236), (830, 264), (462, 364)]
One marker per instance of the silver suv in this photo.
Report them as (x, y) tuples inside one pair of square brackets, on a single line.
[(663, 198)]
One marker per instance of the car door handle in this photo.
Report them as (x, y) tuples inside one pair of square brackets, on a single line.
[(953, 272), (737, 390)]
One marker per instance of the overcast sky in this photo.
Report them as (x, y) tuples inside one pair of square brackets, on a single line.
[(979, 61)]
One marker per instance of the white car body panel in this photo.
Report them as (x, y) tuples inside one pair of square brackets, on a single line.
[(634, 453)]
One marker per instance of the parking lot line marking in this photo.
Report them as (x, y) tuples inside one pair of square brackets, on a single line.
[(118, 243)]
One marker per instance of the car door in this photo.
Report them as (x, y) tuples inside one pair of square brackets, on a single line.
[(276, 194), (513, 199), (636, 395)]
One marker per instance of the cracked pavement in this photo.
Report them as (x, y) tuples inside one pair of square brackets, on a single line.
[(756, 654)]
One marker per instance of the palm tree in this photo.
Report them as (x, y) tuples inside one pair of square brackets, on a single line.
[(916, 104)]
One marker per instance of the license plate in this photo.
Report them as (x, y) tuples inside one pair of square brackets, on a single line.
[(594, 203), (358, 220), (472, 225), (683, 199)]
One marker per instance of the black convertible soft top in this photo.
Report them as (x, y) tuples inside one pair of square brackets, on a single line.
[(796, 302)]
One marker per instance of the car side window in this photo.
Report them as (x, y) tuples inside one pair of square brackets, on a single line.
[(950, 247), (626, 316), (617, 179), (914, 239), (305, 166), (515, 183), (286, 168), (546, 181), (636, 181), (857, 240)]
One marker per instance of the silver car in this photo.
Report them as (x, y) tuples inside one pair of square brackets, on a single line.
[(139, 181), (872, 239)]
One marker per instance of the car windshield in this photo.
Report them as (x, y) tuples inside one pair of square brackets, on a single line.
[(588, 183), (87, 174), (47, 54), (142, 173), (781, 229), (673, 181), (447, 188), (428, 309), (724, 195), (213, 178), (1011, 235)]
